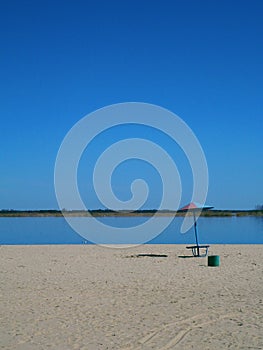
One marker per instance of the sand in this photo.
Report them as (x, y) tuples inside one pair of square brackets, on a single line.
[(91, 297)]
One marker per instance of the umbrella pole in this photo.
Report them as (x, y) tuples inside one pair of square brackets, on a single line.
[(196, 238)]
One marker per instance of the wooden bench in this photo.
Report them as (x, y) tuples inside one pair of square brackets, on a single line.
[(199, 250)]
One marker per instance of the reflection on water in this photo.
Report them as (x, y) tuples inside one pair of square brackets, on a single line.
[(229, 230)]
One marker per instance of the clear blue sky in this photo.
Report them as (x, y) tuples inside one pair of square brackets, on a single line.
[(60, 60)]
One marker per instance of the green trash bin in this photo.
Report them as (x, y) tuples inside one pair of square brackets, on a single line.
[(213, 260)]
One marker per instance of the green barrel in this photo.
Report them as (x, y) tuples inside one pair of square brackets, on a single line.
[(213, 260)]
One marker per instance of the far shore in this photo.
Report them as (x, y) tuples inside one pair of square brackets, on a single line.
[(125, 213)]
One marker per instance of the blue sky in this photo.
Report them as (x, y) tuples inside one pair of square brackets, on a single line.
[(61, 60)]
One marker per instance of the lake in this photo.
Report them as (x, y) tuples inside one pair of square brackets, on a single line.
[(55, 230)]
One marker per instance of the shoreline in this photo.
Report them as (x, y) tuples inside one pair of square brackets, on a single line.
[(142, 213)]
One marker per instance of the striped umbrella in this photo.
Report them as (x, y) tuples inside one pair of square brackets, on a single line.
[(194, 207)]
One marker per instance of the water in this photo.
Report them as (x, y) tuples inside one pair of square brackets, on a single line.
[(55, 230)]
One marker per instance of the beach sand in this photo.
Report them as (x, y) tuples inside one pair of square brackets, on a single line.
[(90, 297)]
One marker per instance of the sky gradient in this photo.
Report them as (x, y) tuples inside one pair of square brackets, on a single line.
[(61, 60)]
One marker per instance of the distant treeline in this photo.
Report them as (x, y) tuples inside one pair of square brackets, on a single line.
[(108, 212)]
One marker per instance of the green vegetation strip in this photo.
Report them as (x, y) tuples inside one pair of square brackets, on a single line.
[(110, 213)]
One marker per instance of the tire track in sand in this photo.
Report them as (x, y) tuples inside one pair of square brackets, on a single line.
[(182, 328)]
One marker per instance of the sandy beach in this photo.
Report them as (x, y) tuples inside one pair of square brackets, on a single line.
[(90, 297)]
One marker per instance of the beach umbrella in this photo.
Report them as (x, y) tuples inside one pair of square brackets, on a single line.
[(194, 207)]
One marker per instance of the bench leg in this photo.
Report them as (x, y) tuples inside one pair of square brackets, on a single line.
[(196, 252)]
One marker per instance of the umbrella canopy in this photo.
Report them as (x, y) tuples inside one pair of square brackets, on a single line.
[(194, 207)]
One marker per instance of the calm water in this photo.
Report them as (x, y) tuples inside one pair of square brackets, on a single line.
[(234, 230)]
